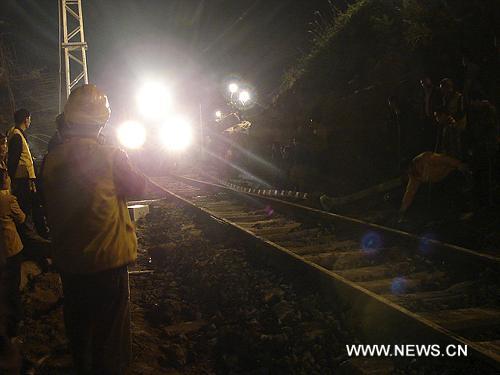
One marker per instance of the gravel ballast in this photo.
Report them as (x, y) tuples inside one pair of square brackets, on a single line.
[(202, 304)]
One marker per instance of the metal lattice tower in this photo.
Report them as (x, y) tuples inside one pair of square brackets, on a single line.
[(73, 43)]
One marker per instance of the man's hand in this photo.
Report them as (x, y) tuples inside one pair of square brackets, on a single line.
[(451, 121), (32, 186)]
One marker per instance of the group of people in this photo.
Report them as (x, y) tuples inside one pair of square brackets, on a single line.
[(302, 159), (458, 132), (83, 184), (18, 207), (430, 137)]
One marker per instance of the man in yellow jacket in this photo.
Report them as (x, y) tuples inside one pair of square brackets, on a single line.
[(20, 163), (10, 250), (85, 185), (428, 167)]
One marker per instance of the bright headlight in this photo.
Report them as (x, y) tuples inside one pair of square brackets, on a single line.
[(233, 88), (131, 134), (176, 134), (153, 100)]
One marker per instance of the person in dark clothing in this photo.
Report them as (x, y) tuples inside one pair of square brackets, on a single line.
[(453, 127), (483, 129), (396, 127), (10, 359), (430, 102), (472, 83), (299, 174)]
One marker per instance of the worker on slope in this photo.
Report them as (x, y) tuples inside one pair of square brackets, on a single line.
[(428, 167), (84, 186)]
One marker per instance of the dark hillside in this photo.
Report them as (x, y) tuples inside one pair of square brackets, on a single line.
[(360, 57)]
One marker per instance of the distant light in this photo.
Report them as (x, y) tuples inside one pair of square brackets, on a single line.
[(153, 100), (218, 114), (233, 88), (131, 134), (176, 134), (244, 97)]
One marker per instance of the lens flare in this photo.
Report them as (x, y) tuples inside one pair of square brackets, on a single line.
[(153, 100), (427, 245), (233, 87), (371, 241), (131, 134), (244, 97), (399, 285), (176, 134)]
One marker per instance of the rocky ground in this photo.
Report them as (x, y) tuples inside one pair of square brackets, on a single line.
[(204, 308), (434, 214), (202, 305)]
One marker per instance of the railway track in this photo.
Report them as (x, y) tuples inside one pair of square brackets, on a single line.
[(397, 287)]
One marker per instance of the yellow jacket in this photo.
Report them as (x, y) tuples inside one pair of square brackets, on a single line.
[(428, 167), (25, 168), (84, 188), (10, 214)]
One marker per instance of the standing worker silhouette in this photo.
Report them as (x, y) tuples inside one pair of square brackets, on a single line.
[(85, 185)]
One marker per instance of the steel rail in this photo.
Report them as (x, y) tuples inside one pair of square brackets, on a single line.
[(492, 260), (377, 317)]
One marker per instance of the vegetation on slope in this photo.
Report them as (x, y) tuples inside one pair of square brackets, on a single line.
[(359, 57)]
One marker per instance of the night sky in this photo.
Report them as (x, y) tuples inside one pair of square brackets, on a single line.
[(192, 45)]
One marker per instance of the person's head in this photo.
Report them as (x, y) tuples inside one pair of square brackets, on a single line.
[(22, 118), (4, 180), (446, 86), (86, 112), (426, 83)]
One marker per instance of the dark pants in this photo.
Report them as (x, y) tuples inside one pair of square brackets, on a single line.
[(29, 202), (36, 248), (10, 363), (21, 189), (483, 170), (11, 279), (97, 320)]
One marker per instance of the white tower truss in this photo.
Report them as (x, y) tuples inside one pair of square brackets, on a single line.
[(73, 44)]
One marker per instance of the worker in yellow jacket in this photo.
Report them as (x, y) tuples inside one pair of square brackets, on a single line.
[(10, 250), (85, 185), (20, 165), (428, 167)]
